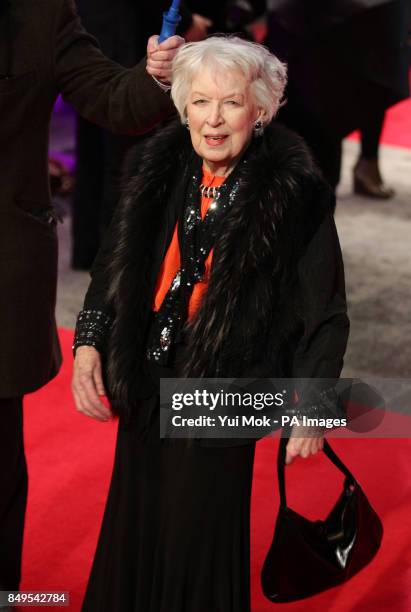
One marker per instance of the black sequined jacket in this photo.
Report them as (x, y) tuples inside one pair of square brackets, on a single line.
[(275, 304)]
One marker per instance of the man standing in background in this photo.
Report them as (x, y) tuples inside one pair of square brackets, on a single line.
[(347, 64), (44, 51)]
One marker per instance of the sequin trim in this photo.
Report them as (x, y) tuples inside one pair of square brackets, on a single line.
[(325, 404), (92, 329), (199, 238)]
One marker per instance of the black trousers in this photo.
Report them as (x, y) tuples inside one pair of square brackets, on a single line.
[(100, 156), (325, 145), (371, 133), (13, 492)]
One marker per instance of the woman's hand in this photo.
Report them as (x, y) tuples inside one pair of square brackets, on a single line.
[(298, 444), (87, 384)]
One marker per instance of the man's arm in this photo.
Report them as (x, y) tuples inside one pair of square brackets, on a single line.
[(119, 99)]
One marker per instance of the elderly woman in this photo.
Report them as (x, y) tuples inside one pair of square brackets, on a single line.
[(223, 260)]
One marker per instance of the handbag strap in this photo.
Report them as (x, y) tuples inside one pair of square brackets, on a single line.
[(281, 464)]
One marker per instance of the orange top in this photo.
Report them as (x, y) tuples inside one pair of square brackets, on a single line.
[(171, 262)]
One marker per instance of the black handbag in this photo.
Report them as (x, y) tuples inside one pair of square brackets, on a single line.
[(307, 557)]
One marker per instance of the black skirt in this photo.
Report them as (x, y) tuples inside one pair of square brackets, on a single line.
[(175, 534)]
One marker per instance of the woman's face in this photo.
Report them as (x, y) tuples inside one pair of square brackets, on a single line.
[(221, 116)]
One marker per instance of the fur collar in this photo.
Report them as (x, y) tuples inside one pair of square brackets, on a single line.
[(280, 203)]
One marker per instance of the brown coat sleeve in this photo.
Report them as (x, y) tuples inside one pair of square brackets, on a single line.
[(119, 99)]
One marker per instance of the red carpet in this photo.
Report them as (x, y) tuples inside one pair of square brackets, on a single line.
[(397, 128), (70, 459)]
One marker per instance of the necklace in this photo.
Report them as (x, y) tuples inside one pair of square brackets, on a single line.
[(210, 192)]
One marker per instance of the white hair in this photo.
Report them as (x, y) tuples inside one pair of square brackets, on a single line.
[(264, 72)]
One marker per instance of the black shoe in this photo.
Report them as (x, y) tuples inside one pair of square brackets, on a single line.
[(368, 181)]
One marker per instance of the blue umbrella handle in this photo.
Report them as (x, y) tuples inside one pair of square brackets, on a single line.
[(171, 19)]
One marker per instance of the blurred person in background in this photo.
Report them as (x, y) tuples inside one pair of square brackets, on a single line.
[(347, 64), (44, 51), (122, 28), (230, 16)]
